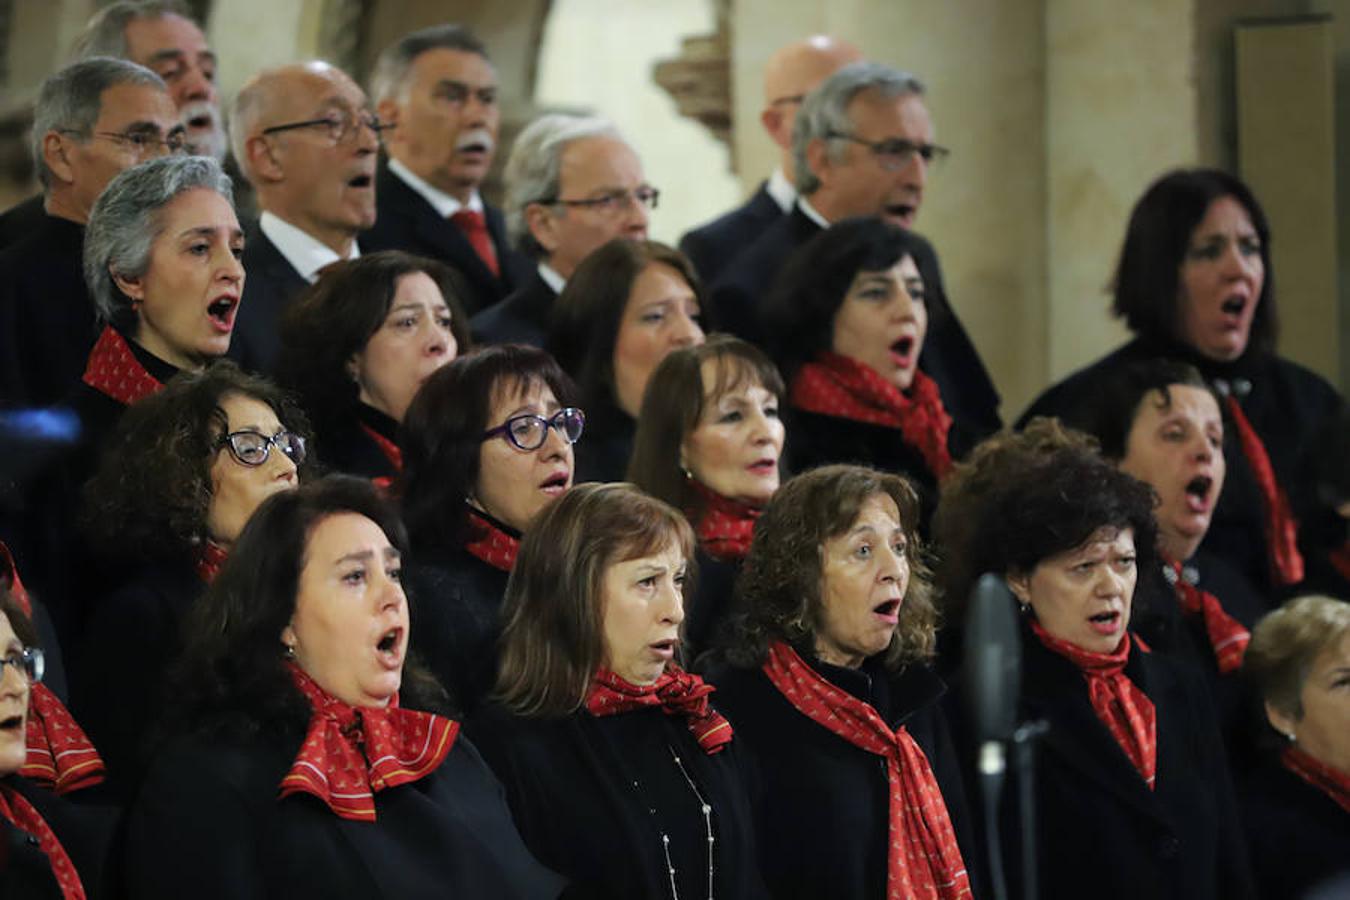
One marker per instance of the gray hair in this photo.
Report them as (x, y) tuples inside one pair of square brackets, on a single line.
[(825, 110), (532, 171), (72, 99), (105, 34), (125, 221), (391, 69)]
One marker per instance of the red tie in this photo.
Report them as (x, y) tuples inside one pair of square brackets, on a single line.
[(475, 229), (1281, 527)]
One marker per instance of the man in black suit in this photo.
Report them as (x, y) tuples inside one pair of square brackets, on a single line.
[(438, 90), (572, 184), (92, 119), (791, 73), (306, 140), (862, 145)]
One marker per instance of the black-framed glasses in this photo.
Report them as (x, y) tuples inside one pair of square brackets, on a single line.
[(251, 448), (896, 153), (339, 124), (528, 431), (613, 202), (143, 143), (30, 662)]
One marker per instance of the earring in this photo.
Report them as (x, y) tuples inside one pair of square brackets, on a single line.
[(1289, 736), (288, 651), (1024, 608)]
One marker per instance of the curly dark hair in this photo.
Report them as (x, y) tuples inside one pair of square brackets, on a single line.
[(1146, 283), (588, 312), (797, 315), (442, 433), (334, 319), (778, 589), (1057, 504), (150, 497), (1113, 414), (232, 677), (673, 404)]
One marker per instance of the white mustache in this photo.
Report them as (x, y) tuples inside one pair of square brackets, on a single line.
[(477, 136)]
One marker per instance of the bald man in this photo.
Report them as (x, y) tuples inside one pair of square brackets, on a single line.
[(791, 73), (306, 140)]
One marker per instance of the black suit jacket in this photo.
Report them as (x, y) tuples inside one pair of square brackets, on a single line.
[(712, 246), (1299, 837), (406, 221), (270, 283), (522, 318)]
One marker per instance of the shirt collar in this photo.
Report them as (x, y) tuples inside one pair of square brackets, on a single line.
[(306, 253), (781, 190), (552, 278), (445, 205), (811, 212)]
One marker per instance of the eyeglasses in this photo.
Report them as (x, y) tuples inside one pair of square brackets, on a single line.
[(251, 448), (30, 662), (896, 153), (613, 202), (340, 124), (528, 431), (143, 143)]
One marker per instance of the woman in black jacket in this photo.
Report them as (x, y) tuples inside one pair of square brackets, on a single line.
[(858, 790), (1297, 805), (358, 344), (718, 403), (487, 444), (620, 773), (306, 762), (1132, 793)]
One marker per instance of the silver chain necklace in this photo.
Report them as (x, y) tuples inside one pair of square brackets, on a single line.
[(704, 807)]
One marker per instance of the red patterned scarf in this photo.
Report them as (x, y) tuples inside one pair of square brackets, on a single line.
[(725, 527), (836, 385), (21, 814), (352, 753), (1122, 707), (1281, 527), (677, 692), (490, 543), (1333, 783), (924, 859), (115, 371), (1227, 636), (208, 559)]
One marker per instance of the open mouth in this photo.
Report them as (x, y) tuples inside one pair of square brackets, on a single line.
[(1233, 306), (221, 312), (889, 611), (389, 643), (900, 211), (665, 648), (902, 351), (198, 122), (555, 483), (1197, 492), (764, 466), (13, 723), (1105, 622), (360, 181)]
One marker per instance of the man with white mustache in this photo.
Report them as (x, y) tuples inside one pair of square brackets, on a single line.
[(438, 90)]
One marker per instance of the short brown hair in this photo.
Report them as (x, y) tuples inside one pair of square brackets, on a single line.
[(778, 591), (553, 641), (1286, 643), (673, 404)]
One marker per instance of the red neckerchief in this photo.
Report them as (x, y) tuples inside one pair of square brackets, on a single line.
[(836, 385), (1281, 527), (387, 447), (208, 559), (16, 809), (1333, 783), (677, 692), (725, 526), (351, 753), (1227, 636), (60, 755), (115, 371), (490, 543), (924, 859), (1122, 707)]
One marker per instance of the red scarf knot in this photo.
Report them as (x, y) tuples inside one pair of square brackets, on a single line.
[(208, 559), (16, 809), (1280, 526), (1227, 636), (352, 753), (490, 543), (725, 526), (1332, 782), (115, 371), (60, 757), (1122, 707), (835, 385), (677, 692), (386, 447), (924, 859)]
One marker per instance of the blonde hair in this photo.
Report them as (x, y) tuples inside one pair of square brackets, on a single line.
[(1287, 642)]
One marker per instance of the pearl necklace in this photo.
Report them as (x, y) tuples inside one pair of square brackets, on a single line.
[(704, 807)]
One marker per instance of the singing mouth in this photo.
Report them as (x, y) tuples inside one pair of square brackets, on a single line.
[(388, 643), (221, 311), (555, 483), (900, 210), (1199, 486), (360, 181), (1234, 306)]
